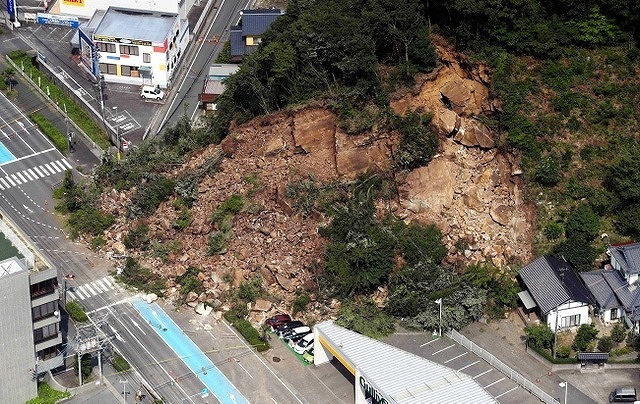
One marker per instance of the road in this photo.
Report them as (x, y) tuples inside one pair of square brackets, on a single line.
[(194, 72)]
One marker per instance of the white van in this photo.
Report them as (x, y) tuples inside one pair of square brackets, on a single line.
[(304, 344), (152, 93)]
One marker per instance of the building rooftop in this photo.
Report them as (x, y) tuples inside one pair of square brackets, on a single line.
[(136, 24), (628, 256), (11, 266), (401, 375), (222, 71), (256, 22), (553, 282)]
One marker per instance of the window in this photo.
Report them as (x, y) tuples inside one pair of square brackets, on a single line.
[(146, 58), (44, 310), (131, 71), (107, 47), (108, 68), (43, 288), (48, 353), (47, 332), (571, 321), (614, 314), (129, 50)]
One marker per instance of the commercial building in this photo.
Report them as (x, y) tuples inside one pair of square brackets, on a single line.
[(86, 8), (30, 337), (133, 46), (385, 374)]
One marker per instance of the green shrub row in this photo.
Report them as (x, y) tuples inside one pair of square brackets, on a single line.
[(558, 361), (249, 333), (76, 312), (58, 138), (75, 112), (120, 364)]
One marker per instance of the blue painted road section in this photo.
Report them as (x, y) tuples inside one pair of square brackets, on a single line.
[(188, 351), (5, 155)]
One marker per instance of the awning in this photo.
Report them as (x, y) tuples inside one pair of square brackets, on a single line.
[(527, 300)]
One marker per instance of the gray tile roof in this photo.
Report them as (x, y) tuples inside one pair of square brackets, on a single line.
[(237, 43), (600, 289), (553, 282), (628, 256)]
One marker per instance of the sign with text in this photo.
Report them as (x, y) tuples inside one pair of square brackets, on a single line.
[(77, 3), (52, 19), (11, 7), (126, 41)]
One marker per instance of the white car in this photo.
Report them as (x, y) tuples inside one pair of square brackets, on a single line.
[(304, 344), (152, 93)]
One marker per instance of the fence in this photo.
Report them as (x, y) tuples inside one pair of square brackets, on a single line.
[(506, 370)]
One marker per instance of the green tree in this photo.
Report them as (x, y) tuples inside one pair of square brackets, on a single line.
[(539, 336), (586, 333), (418, 144), (582, 223), (605, 344), (618, 333), (366, 318), (86, 363)]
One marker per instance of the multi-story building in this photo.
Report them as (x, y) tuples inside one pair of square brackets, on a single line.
[(86, 8), (30, 337), (133, 46)]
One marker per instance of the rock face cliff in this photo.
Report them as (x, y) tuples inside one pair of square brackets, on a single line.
[(469, 190)]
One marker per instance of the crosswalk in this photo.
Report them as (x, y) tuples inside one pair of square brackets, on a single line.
[(94, 288), (34, 173)]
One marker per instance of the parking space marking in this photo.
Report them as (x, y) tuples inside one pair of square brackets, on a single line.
[(455, 357), (428, 342), (506, 392), (468, 366), (443, 349), (483, 373), (491, 384)]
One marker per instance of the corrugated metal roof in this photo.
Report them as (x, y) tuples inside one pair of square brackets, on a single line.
[(527, 300), (544, 285), (256, 22), (600, 289), (213, 87), (628, 256), (400, 375), (221, 71), (136, 24)]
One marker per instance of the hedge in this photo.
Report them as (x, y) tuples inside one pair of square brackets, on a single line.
[(120, 364), (58, 139), (76, 312), (249, 333), (547, 356)]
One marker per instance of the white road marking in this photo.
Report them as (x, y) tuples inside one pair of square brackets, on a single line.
[(428, 342), (90, 289), (468, 366), (483, 373), (496, 382), (33, 173), (455, 357), (243, 368), (66, 163), (506, 392), (443, 349), (24, 180), (137, 325), (13, 184), (5, 183), (15, 179), (25, 206), (61, 165), (39, 172)]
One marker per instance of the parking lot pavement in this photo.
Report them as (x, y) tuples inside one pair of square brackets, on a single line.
[(448, 353), (276, 375)]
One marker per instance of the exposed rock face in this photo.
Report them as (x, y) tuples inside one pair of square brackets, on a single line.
[(472, 193)]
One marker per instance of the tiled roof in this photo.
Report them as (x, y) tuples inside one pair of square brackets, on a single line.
[(600, 289), (237, 43), (256, 22), (552, 282), (628, 256)]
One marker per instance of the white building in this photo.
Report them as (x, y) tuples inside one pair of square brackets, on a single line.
[(555, 291), (86, 8), (134, 46)]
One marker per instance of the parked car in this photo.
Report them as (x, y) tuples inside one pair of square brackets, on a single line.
[(294, 332), (623, 394), (304, 343), (308, 356), (151, 92), (288, 326), (293, 340), (277, 320)]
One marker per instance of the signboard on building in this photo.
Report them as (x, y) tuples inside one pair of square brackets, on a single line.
[(78, 3), (105, 38), (52, 19), (11, 9), (371, 393)]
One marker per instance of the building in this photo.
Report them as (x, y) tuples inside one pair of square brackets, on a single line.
[(30, 337), (555, 291), (214, 84), (246, 37), (133, 46), (386, 374), (86, 8), (615, 287)]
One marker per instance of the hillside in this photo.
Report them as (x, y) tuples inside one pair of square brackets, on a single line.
[(472, 193)]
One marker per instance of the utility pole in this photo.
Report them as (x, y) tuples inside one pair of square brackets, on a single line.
[(124, 390)]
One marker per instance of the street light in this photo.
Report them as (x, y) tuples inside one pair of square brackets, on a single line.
[(439, 301), (566, 387)]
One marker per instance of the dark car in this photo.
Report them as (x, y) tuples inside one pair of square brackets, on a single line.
[(288, 326), (277, 320)]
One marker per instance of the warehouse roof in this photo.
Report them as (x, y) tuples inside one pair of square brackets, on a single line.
[(400, 375)]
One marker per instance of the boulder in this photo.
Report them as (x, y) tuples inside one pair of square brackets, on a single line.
[(151, 297), (203, 309), (501, 214), (446, 121), (284, 282), (261, 305)]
